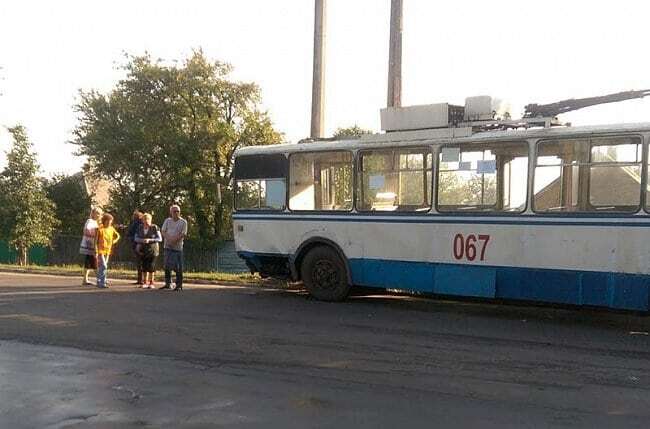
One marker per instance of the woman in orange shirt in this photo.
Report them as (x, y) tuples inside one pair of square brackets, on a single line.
[(107, 236)]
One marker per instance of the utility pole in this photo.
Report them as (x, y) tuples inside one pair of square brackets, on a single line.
[(318, 81), (395, 55)]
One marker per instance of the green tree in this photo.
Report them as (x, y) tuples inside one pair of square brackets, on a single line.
[(342, 175), (475, 190), (26, 213), (353, 131), (167, 133), (72, 201)]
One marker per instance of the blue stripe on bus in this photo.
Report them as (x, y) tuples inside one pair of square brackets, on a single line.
[(614, 290), (433, 220)]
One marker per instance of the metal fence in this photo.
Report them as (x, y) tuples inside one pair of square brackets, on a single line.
[(65, 251)]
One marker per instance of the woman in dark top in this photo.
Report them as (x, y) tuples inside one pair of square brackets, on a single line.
[(147, 238)]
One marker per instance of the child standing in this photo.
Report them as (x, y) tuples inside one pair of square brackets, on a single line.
[(107, 236)]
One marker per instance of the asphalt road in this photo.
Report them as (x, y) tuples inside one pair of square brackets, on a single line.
[(73, 356)]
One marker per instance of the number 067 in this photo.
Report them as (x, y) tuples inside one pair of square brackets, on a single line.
[(466, 247)]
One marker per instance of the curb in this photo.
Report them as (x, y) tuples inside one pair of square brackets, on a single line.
[(265, 283)]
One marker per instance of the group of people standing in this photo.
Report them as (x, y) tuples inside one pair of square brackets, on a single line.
[(99, 238), (96, 244)]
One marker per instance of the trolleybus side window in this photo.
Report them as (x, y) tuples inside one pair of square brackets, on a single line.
[(260, 182), (647, 191), (483, 177), (321, 181), (266, 194), (395, 180), (588, 175)]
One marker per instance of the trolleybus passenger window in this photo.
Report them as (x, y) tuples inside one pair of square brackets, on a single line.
[(395, 180), (320, 181), (588, 175), (615, 174), (483, 177), (266, 194), (260, 182)]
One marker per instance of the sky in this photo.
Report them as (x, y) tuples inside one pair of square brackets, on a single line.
[(520, 52)]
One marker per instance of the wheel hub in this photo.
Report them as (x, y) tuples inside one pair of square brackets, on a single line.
[(326, 276)]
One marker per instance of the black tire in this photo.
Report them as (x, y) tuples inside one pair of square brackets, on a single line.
[(324, 275)]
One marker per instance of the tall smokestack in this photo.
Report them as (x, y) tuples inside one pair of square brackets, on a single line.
[(395, 55), (318, 81)]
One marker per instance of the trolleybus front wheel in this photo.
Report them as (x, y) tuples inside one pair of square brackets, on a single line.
[(323, 273)]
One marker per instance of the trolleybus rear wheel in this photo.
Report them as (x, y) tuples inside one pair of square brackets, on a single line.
[(323, 273)]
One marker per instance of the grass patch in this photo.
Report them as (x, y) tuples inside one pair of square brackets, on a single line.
[(119, 273)]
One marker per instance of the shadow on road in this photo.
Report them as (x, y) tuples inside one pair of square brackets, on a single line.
[(15, 288)]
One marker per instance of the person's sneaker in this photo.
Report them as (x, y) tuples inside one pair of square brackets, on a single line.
[(165, 287), (86, 283)]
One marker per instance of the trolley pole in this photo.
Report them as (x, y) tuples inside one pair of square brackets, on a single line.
[(395, 55), (318, 81)]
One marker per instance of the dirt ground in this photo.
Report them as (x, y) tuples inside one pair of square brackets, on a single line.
[(237, 356)]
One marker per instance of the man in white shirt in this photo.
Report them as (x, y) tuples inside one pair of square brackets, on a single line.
[(174, 230)]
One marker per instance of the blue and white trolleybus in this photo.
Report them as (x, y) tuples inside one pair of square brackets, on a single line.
[(518, 210)]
